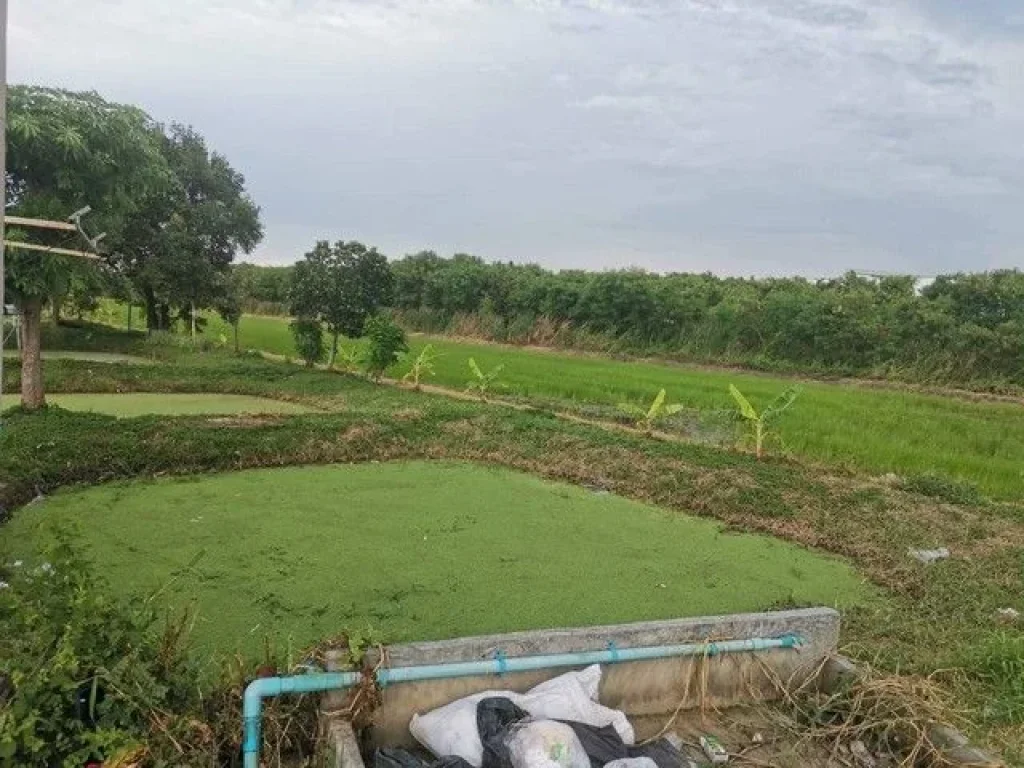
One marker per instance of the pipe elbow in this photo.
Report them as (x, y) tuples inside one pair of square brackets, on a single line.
[(256, 691)]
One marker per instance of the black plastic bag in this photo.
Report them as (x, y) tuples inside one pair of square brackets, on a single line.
[(604, 744), (402, 758), (495, 716), (661, 752)]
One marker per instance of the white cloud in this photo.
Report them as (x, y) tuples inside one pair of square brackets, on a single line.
[(741, 135)]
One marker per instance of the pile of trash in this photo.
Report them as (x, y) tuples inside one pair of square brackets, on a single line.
[(558, 724)]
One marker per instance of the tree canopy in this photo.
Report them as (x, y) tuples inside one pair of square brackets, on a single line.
[(341, 285), (66, 151), (178, 248), (174, 212)]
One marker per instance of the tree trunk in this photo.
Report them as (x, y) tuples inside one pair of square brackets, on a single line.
[(32, 396), (152, 318), (334, 350), (129, 315), (192, 319), (234, 326), (58, 302)]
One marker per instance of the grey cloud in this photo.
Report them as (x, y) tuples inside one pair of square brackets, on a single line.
[(741, 135)]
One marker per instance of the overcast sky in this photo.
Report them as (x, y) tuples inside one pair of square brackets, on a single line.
[(738, 136)]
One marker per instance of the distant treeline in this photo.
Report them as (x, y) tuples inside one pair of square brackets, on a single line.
[(960, 329), (263, 290)]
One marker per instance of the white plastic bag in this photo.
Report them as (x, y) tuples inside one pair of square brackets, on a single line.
[(451, 729), (632, 762), (546, 744), (568, 697)]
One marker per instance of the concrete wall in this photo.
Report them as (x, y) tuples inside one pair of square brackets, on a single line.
[(637, 688)]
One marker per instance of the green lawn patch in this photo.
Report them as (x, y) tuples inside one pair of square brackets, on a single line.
[(90, 357), (169, 404), (419, 550)]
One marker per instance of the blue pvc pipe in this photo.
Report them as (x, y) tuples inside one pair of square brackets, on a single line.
[(270, 687)]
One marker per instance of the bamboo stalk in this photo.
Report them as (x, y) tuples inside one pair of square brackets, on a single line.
[(50, 249), (21, 221)]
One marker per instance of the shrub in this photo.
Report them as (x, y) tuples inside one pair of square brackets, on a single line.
[(385, 344), (83, 675), (89, 679), (309, 340)]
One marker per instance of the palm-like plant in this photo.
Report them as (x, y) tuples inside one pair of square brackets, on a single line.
[(481, 383), (646, 418), (757, 423), (422, 366)]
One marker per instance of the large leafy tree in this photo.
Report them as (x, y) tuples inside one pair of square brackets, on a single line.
[(66, 151), (341, 285), (178, 248)]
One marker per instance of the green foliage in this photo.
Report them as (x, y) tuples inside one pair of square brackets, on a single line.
[(962, 328), (341, 285), (84, 675), (757, 423), (899, 430), (944, 488), (177, 248), (422, 366), (646, 418), (385, 343), (309, 339), (997, 660), (66, 151), (349, 358), (263, 290), (482, 383)]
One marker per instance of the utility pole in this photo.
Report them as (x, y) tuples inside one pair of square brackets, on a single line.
[(3, 180)]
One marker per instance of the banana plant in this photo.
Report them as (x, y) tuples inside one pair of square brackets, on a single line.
[(646, 418), (482, 382), (422, 366), (757, 423), (349, 358)]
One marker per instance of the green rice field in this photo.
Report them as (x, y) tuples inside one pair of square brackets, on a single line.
[(874, 429)]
